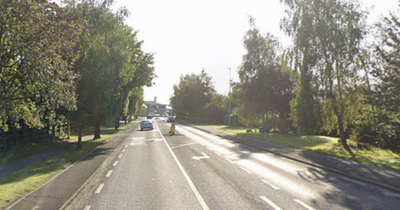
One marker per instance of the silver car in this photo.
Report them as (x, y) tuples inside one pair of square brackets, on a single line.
[(146, 125)]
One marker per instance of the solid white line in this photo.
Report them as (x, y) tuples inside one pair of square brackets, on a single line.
[(115, 163), (109, 173), (271, 185), (217, 153), (123, 150), (87, 208), (270, 203), (98, 190), (244, 169), (229, 160), (352, 180), (303, 204), (120, 156), (190, 182)]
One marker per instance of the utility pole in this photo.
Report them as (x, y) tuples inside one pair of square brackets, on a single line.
[(229, 99)]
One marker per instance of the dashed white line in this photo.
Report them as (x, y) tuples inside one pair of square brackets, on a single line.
[(244, 169), (109, 173), (217, 153), (229, 160), (270, 203), (98, 190), (126, 146), (87, 208), (120, 156), (115, 163), (269, 184), (303, 204), (351, 180), (123, 150)]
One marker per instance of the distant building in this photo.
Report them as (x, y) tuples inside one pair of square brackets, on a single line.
[(152, 107)]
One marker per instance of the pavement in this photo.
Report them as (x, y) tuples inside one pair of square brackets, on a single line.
[(385, 178)]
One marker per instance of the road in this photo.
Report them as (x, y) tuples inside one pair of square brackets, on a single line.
[(195, 170)]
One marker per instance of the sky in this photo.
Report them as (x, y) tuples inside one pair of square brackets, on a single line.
[(188, 36)]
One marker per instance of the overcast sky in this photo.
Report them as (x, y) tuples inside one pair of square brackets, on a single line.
[(189, 35)]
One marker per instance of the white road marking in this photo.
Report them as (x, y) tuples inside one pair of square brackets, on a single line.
[(217, 153), (209, 148), (352, 180), (271, 185), (120, 156), (229, 160), (183, 145), (190, 182), (244, 169), (393, 194), (87, 208), (126, 146), (123, 150), (98, 190), (270, 203), (303, 204), (109, 173), (205, 156), (115, 163), (36, 207), (202, 144)]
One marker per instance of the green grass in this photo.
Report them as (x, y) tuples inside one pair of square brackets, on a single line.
[(26, 180), (379, 157)]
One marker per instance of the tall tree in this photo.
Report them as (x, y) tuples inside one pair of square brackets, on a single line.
[(265, 90), (335, 30), (191, 94), (37, 40)]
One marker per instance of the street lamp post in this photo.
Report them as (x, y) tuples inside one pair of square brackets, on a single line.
[(229, 99)]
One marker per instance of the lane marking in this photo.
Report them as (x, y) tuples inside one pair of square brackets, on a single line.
[(303, 204), (36, 207), (190, 182), (115, 163), (217, 153), (126, 146), (202, 144), (183, 145), (270, 203), (244, 169), (120, 156), (123, 150), (351, 180), (109, 173), (229, 160), (87, 208), (209, 148), (98, 190), (269, 184)]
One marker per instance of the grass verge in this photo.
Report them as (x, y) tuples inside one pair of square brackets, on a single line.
[(384, 158), (28, 179)]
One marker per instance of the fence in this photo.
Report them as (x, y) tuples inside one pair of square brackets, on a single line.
[(19, 136)]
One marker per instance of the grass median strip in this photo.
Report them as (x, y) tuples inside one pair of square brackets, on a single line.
[(384, 158), (28, 179)]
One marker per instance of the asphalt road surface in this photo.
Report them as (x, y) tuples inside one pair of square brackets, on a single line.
[(195, 170)]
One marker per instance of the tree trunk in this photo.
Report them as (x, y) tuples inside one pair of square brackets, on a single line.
[(97, 131), (79, 143)]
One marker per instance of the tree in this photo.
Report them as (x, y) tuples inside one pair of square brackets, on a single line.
[(387, 71), (111, 65), (37, 41), (191, 94), (264, 91), (334, 30)]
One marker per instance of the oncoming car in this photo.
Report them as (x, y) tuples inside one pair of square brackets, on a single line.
[(146, 125)]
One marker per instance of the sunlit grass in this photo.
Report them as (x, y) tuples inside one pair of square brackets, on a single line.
[(379, 157)]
